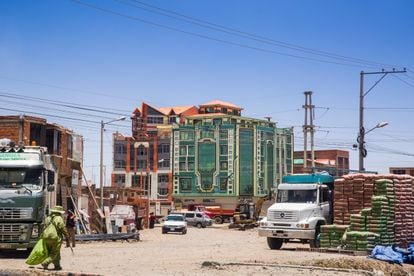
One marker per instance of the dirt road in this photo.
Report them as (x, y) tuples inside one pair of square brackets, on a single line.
[(176, 254)]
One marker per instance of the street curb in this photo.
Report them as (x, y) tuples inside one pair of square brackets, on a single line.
[(352, 271), (41, 272)]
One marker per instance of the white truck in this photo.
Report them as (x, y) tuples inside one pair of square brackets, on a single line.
[(303, 204)]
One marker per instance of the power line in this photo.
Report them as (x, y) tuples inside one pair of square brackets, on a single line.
[(60, 103), (241, 45), (243, 34), (66, 88), (404, 81)]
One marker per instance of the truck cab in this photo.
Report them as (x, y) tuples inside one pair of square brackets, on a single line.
[(303, 204), (25, 180)]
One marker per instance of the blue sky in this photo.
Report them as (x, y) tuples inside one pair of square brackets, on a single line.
[(109, 58)]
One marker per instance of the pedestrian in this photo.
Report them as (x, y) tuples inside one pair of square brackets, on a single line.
[(71, 227), (53, 234), (152, 219)]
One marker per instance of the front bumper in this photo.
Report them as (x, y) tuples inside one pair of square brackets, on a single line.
[(14, 245), (172, 229), (287, 233)]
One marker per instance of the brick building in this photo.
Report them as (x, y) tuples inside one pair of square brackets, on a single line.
[(402, 170), (142, 161), (335, 162), (64, 146)]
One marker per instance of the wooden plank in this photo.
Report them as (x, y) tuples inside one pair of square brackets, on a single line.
[(107, 220)]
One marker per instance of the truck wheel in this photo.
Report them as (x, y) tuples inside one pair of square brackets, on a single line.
[(218, 220), (198, 225), (274, 243), (184, 231), (316, 242)]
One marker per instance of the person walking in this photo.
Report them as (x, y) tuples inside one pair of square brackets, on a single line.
[(152, 219), (71, 227), (53, 234)]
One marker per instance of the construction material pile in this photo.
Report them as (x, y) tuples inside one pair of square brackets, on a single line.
[(361, 240), (378, 209), (331, 235)]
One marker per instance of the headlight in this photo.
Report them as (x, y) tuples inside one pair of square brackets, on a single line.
[(303, 225), (35, 231)]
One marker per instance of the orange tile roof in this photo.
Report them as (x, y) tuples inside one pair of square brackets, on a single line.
[(176, 109), (221, 103)]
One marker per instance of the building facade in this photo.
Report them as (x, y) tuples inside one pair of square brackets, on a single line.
[(336, 162), (220, 157), (209, 155), (402, 170), (64, 146), (143, 160)]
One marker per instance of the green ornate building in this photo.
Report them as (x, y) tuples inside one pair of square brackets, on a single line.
[(219, 157)]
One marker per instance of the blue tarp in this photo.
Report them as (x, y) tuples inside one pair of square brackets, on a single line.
[(393, 254)]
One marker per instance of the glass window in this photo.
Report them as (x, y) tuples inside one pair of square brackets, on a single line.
[(163, 178), (135, 180), (185, 184), (223, 165), (223, 149), (142, 164), (186, 135), (207, 134), (183, 150), (297, 196), (223, 134), (120, 179), (191, 150), (183, 166), (190, 166), (120, 164), (223, 183), (165, 163), (120, 148)]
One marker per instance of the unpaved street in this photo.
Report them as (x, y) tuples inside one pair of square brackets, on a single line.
[(176, 254)]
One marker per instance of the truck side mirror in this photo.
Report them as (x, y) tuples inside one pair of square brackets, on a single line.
[(50, 188), (50, 177)]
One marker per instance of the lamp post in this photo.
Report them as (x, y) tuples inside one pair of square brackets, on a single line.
[(362, 94), (101, 158), (361, 143)]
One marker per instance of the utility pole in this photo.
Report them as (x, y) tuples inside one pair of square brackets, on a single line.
[(362, 94), (308, 127)]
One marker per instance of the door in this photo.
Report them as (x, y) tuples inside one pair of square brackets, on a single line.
[(324, 199), (190, 218)]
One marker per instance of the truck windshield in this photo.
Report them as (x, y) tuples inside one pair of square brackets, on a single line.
[(18, 177), (296, 196), (175, 218)]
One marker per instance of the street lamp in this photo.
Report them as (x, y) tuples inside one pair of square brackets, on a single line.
[(361, 143), (101, 158)]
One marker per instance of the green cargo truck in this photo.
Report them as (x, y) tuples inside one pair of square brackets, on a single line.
[(26, 178)]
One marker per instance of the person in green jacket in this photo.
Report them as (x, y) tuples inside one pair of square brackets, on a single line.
[(53, 233)]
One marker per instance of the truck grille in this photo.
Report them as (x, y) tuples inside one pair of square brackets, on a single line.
[(16, 213), (282, 215), (13, 232)]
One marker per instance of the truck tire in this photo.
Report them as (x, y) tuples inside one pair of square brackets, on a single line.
[(199, 225), (218, 220), (316, 242), (274, 243)]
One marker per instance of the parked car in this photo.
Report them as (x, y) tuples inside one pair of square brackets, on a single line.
[(174, 223), (197, 219)]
